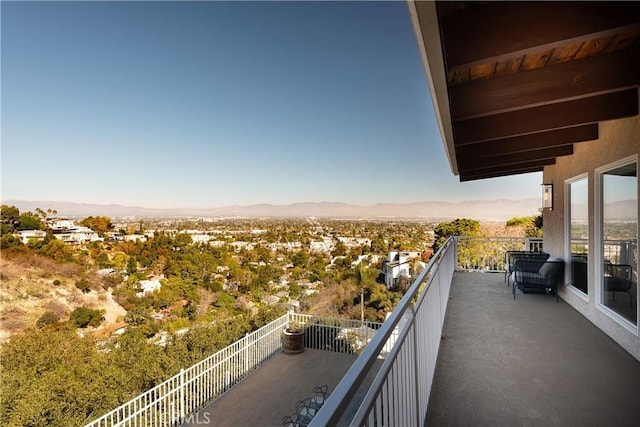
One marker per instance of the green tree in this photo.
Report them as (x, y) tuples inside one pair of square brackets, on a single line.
[(534, 227), (182, 240), (364, 279), (339, 250), (119, 261), (10, 217), (295, 290), (519, 221), (132, 265), (457, 227), (102, 260), (43, 215), (381, 301), (52, 377), (57, 250), (263, 275), (378, 245), (29, 221), (99, 224), (300, 259), (240, 278), (145, 365)]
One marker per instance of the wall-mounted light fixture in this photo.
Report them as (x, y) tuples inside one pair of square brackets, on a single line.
[(547, 196)]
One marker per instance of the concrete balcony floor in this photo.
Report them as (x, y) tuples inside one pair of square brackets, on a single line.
[(528, 362), (271, 392)]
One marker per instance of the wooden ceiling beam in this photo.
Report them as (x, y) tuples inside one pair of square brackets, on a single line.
[(536, 141), (468, 164), (565, 81), (547, 117), (471, 176), (477, 34)]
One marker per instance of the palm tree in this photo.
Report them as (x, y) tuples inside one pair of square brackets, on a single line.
[(362, 277)]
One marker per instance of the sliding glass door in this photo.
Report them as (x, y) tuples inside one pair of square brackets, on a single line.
[(619, 273)]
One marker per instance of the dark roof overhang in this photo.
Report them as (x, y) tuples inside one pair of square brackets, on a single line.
[(517, 84)]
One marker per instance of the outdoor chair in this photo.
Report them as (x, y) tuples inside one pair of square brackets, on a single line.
[(510, 259), (508, 263), (306, 408), (618, 278), (320, 394), (295, 420), (288, 421), (304, 411), (319, 397), (537, 274)]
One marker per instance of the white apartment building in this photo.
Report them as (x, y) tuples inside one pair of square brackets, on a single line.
[(26, 235)]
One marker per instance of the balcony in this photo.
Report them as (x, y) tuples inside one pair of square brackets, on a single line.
[(489, 361)]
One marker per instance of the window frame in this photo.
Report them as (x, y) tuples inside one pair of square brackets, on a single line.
[(567, 233), (599, 242)]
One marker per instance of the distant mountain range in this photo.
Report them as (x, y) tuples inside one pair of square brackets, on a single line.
[(486, 210)]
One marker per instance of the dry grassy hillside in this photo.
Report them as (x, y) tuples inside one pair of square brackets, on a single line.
[(32, 285)]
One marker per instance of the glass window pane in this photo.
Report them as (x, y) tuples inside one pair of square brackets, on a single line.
[(579, 217), (620, 240)]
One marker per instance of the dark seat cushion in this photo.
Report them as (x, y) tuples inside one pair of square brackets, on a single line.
[(551, 268), (530, 262)]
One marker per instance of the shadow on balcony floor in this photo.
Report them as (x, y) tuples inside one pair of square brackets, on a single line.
[(271, 392), (531, 361)]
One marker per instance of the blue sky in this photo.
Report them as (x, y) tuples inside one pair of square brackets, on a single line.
[(205, 104)]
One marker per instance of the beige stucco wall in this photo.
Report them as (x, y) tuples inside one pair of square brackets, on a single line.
[(618, 139)]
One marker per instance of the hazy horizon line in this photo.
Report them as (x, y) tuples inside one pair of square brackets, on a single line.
[(124, 204)]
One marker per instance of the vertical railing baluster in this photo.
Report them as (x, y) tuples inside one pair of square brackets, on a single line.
[(415, 359), (181, 395)]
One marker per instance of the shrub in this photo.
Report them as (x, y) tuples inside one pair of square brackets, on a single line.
[(82, 317), (9, 241), (84, 285), (48, 318), (519, 221), (213, 286), (103, 261), (225, 300)]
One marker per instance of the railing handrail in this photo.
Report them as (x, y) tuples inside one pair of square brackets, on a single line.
[(342, 395)]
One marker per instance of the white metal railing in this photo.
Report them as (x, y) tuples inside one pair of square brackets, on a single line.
[(620, 251), (335, 334), (533, 244), (177, 399), (400, 391)]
